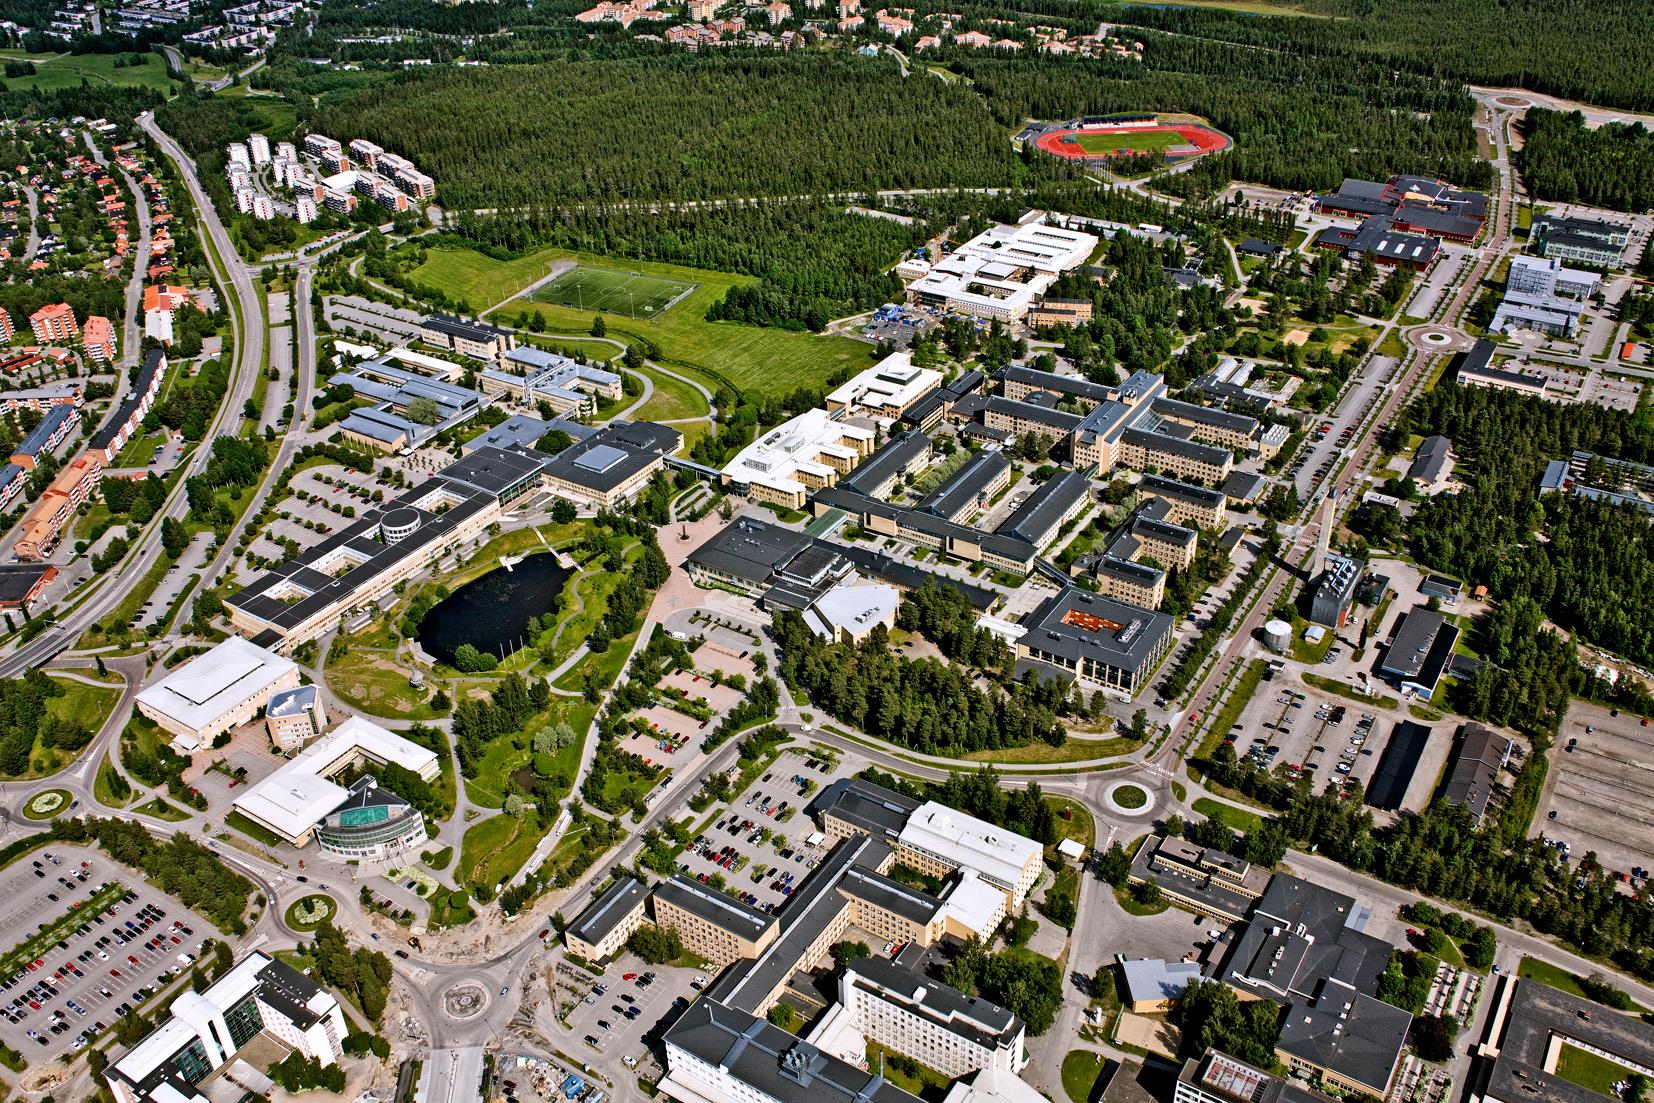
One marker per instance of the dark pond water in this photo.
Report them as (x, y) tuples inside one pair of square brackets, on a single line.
[(492, 613)]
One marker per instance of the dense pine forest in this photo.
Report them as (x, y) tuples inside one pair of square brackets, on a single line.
[(1592, 569), (679, 127), (1562, 160)]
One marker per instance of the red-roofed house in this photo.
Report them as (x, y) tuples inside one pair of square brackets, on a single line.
[(98, 339), (54, 323)]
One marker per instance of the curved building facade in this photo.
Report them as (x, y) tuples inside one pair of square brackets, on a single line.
[(373, 825)]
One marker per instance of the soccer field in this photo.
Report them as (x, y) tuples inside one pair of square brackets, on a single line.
[(1139, 141), (607, 292)]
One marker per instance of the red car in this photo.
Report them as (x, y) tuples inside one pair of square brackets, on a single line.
[(629, 976)]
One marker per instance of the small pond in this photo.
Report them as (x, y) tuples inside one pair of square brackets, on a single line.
[(492, 613)]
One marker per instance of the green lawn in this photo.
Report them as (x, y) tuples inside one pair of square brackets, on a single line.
[(673, 400), (1073, 821), (1339, 689), (55, 71), (1081, 1070), (911, 1076), (1233, 706), (1072, 750), (1545, 973), (496, 848), (772, 361), (82, 704), (1237, 819), (370, 682), (609, 292), (1589, 1071), (252, 830), (1139, 141)]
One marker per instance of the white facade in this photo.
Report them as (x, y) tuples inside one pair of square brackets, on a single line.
[(263, 209), (931, 1023), (809, 452), (305, 209), (937, 835), (1539, 276), (886, 389), (259, 146), (217, 691)]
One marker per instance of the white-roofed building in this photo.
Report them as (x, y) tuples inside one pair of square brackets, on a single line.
[(299, 794), (810, 452), (258, 996), (938, 840), (218, 691), (1000, 272), (885, 390), (973, 908), (849, 611)]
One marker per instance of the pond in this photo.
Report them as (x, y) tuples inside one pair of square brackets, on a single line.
[(492, 613)]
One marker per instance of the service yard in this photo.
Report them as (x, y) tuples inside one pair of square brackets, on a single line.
[(107, 942), (1601, 796)]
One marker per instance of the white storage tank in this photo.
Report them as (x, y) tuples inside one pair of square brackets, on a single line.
[(1277, 635)]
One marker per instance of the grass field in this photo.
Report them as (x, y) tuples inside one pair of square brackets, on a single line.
[(672, 400), (1081, 1070), (56, 71), (1141, 141), (771, 361), (1590, 1071), (608, 292), (1236, 819)]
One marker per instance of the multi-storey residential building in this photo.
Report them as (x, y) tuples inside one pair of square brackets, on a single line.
[(938, 1026), (6, 330), (42, 526), (98, 339), (54, 324)]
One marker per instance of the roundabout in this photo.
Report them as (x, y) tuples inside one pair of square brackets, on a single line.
[(1438, 339), (1129, 799), (309, 912), (465, 1000), (45, 805)]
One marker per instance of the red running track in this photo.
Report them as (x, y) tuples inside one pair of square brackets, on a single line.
[(1052, 142)]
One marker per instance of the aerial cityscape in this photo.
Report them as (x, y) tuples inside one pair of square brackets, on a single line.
[(808, 552)]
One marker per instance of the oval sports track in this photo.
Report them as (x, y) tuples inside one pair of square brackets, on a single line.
[(1059, 143)]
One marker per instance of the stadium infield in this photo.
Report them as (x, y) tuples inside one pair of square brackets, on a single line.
[(1097, 142), (608, 292)]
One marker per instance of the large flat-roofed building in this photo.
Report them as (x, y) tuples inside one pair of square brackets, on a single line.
[(1531, 1025), (532, 374), (886, 391), (1541, 294), (856, 807), (1202, 880), (206, 1029), (1044, 512), (1102, 642), (299, 795), (1585, 240), (1018, 382), (1219, 1078), (938, 1026), (612, 466), (717, 927), (1419, 652), (812, 451), (478, 340), (599, 932), (1475, 369), (939, 840), (746, 554), (217, 691), (356, 566), (409, 407), (1305, 949), (372, 825), (1004, 270)]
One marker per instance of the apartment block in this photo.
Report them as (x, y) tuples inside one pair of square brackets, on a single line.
[(54, 324)]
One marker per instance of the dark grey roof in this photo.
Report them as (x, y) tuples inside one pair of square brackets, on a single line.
[(495, 471), (914, 905), (1538, 1013), (1033, 519), (1138, 574), (288, 991), (880, 812), (1431, 461), (1254, 247), (1057, 420), (1124, 639), (923, 410), (900, 573), (1204, 415), (1480, 755), (154, 362), (967, 485), (968, 382), (613, 454), (985, 433), (1412, 642), (450, 326), (896, 456), (605, 913), (1056, 384), (750, 548), (1243, 486), (1359, 1038), (17, 579), (1176, 446), (773, 1062), (1429, 220), (1162, 487), (715, 907), (979, 1021)]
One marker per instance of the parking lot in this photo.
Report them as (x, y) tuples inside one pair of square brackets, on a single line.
[(319, 502), (1309, 733), (760, 844), (1603, 789), (616, 1010), (898, 325), (73, 987)]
